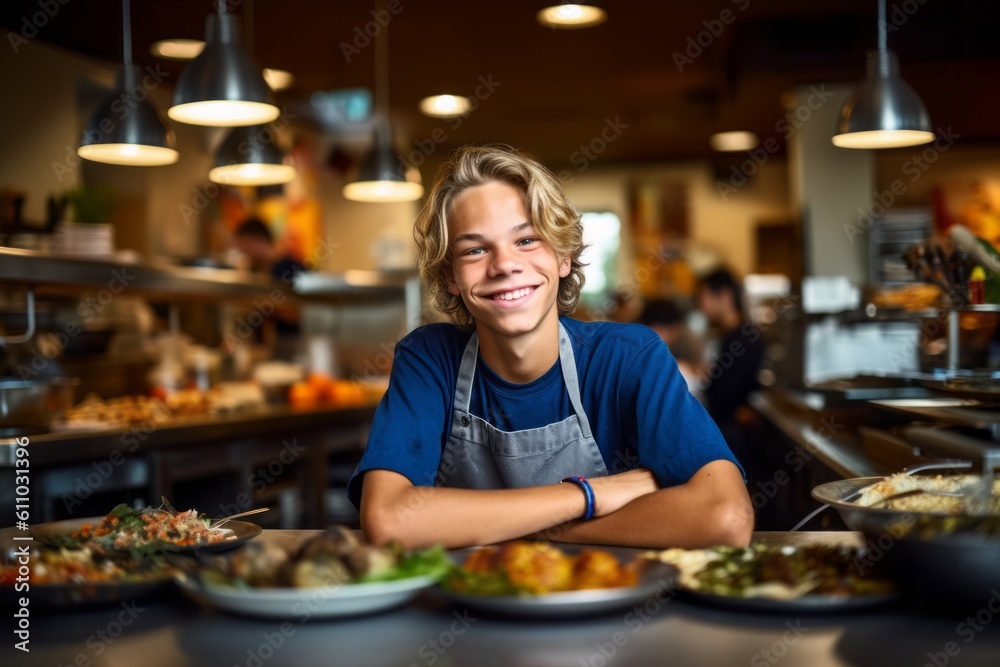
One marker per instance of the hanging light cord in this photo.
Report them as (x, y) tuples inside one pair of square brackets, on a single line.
[(248, 23), (126, 32), (883, 28), (382, 67)]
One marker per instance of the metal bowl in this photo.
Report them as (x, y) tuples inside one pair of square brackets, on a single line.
[(26, 403), (949, 569), (23, 403)]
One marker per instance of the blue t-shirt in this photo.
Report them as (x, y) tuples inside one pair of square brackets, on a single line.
[(638, 404)]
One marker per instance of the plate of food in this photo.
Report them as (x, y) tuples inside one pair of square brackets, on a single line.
[(59, 578), (538, 579), (780, 579), (149, 530), (333, 575)]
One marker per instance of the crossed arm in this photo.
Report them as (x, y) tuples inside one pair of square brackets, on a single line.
[(711, 508)]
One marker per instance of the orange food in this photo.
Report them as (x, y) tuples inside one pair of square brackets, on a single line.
[(319, 381), (302, 395), (536, 567), (600, 569), (345, 392)]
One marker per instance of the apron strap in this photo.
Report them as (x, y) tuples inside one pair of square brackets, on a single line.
[(568, 362), (466, 375)]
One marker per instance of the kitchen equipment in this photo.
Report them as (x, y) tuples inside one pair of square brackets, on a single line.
[(966, 412), (888, 239), (29, 403), (982, 389), (844, 492), (954, 563), (23, 403)]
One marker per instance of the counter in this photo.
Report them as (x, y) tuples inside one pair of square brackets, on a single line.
[(238, 461), (178, 632)]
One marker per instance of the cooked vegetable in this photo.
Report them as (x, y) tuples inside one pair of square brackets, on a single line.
[(333, 558), (82, 566), (774, 572), (537, 568), (146, 531)]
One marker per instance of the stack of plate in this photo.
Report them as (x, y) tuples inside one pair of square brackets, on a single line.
[(83, 240)]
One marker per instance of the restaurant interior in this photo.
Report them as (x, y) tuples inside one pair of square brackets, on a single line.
[(207, 258)]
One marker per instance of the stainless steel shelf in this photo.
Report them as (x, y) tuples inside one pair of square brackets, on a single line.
[(69, 273)]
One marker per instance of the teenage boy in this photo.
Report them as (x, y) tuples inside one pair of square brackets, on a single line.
[(484, 419)]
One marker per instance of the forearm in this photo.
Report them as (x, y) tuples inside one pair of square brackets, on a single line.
[(711, 509), (418, 516), (659, 520)]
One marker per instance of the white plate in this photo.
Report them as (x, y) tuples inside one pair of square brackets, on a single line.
[(302, 604), (656, 581)]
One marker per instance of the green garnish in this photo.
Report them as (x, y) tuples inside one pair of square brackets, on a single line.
[(431, 562)]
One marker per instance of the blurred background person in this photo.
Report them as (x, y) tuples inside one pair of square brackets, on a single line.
[(281, 329), (254, 239), (666, 319), (733, 371)]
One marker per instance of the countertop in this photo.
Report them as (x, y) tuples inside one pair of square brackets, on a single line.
[(85, 445), (176, 632), (817, 431)]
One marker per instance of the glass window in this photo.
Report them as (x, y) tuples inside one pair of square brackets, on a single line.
[(602, 234)]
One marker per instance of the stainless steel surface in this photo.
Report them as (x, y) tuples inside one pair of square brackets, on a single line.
[(28, 267), (954, 339), (55, 448), (837, 450), (984, 455), (29, 332), (841, 495), (856, 491), (169, 631)]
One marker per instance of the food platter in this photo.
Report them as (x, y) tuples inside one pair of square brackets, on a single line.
[(655, 581), (301, 604), (94, 584), (816, 579), (870, 519), (49, 533), (806, 604)]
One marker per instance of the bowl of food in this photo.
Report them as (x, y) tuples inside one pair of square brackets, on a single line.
[(333, 575)]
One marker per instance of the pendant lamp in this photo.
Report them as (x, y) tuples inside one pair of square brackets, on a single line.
[(248, 156), (382, 176), (223, 87), (570, 15), (125, 130), (379, 178), (884, 111)]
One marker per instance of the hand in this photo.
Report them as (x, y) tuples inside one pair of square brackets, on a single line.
[(613, 492)]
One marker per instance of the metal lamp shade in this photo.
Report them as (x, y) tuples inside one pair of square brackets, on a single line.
[(248, 156), (381, 178), (884, 111), (126, 130), (223, 87)]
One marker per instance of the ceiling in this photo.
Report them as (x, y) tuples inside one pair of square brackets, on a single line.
[(557, 90)]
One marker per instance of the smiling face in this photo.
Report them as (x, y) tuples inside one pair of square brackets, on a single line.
[(506, 274)]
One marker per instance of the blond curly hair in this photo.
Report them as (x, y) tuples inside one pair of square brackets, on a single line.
[(554, 218)]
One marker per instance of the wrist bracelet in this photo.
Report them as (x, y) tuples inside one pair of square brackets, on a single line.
[(588, 492)]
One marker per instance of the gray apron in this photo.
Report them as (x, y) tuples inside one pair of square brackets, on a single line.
[(481, 456)]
